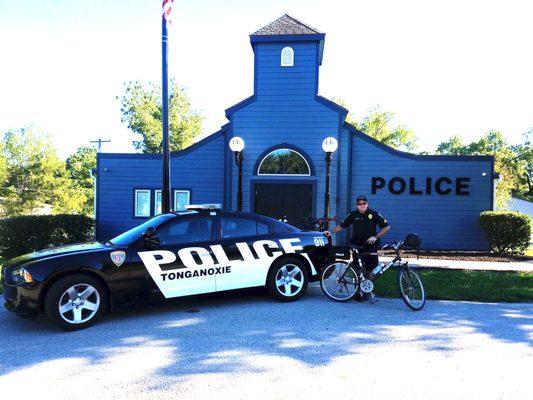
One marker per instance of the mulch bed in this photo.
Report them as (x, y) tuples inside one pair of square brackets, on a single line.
[(460, 256)]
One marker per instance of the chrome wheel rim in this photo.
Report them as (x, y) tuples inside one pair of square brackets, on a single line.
[(289, 280), (412, 288), (79, 303), (336, 287)]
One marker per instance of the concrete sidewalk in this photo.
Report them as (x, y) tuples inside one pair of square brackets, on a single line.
[(522, 266)]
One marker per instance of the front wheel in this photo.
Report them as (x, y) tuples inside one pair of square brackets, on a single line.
[(75, 301), (287, 280), (411, 289), (339, 281)]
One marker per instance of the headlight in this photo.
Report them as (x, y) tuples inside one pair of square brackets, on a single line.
[(20, 275)]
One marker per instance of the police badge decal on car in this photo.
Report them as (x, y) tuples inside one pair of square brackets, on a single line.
[(118, 257)]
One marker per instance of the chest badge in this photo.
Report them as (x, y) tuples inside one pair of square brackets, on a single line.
[(369, 216), (118, 257)]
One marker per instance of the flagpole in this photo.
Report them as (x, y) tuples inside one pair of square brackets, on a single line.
[(165, 194)]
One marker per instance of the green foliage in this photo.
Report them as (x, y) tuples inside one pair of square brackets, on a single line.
[(79, 166), (509, 161), (466, 285), (24, 234), (523, 164), (141, 110), (508, 232), (378, 124), (34, 176)]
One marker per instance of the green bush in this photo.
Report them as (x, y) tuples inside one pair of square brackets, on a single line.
[(508, 231), (24, 234)]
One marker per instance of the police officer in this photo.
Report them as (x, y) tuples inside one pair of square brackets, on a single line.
[(364, 222)]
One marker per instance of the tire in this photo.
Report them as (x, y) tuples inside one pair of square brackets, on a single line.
[(335, 289), (411, 289), (287, 279), (75, 302)]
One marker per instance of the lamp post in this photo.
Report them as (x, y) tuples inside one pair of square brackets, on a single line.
[(236, 144), (329, 145)]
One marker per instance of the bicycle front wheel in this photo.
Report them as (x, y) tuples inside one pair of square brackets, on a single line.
[(339, 281), (411, 289)]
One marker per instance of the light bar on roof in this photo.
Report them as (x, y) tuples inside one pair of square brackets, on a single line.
[(204, 207)]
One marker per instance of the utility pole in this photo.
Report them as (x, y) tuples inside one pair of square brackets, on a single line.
[(100, 141)]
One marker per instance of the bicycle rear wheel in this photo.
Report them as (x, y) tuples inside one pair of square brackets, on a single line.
[(411, 289), (339, 281)]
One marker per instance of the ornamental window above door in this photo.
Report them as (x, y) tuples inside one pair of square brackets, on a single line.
[(284, 162)]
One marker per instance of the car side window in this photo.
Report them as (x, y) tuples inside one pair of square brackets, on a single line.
[(185, 230), (233, 227)]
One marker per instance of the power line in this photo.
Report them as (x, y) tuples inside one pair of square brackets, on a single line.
[(100, 141)]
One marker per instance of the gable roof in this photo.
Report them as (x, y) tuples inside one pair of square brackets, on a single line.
[(286, 25)]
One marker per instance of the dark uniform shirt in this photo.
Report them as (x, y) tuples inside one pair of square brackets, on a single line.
[(363, 224)]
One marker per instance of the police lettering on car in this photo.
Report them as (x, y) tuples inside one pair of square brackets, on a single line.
[(201, 250)]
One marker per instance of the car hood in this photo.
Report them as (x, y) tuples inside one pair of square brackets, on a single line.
[(59, 251)]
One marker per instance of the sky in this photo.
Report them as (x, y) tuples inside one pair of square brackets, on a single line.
[(443, 67)]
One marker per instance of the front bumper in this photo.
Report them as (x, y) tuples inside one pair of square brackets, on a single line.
[(22, 300)]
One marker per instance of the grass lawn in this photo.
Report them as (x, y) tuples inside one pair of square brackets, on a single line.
[(481, 286)]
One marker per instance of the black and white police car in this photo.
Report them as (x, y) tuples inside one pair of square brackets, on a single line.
[(201, 250)]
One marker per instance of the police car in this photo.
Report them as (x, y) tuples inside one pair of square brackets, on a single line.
[(201, 250)]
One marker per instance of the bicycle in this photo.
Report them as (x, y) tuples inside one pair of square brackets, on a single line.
[(341, 279)]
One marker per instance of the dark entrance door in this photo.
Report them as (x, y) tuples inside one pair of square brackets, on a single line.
[(291, 202)]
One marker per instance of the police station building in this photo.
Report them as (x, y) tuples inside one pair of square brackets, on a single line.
[(283, 124)]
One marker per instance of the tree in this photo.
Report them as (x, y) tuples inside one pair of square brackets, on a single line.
[(35, 176), (141, 110), (378, 124), (79, 166), (524, 165), (505, 160)]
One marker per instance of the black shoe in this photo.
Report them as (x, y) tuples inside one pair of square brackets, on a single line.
[(358, 297), (367, 296)]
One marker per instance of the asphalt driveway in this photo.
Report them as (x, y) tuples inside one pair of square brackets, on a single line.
[(246, 346)]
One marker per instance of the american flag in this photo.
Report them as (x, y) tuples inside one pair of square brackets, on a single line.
[(167, 9)]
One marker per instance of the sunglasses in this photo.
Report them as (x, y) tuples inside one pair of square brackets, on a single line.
[(361, 204)]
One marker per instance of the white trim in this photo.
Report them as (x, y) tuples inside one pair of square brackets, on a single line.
[(284, 148), (176, 197), (137, 191), (156, 211), (287, 57)]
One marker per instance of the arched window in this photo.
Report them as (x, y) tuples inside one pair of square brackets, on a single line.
[(284, 162), (287, 57)]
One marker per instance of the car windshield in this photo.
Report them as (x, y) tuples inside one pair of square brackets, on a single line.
[(128, 237)]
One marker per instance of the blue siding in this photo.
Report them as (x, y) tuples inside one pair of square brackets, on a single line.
[(201, 171), (444, 221), (285, 109)]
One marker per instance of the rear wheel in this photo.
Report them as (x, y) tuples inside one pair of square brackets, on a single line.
[(411, 289), (339, 281), (75, 301), (287, 280)]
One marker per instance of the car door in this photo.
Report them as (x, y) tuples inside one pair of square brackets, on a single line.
[(245, 244), (182, 263)]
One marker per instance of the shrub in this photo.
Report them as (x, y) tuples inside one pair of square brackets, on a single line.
[(24, 234), (508, 231)]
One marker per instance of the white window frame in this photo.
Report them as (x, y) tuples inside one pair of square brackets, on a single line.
[(137, 191), (284, 148), (287, 57), (156, 211), (176, 191)]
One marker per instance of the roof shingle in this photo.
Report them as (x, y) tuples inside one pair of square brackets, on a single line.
[(286, 25)]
